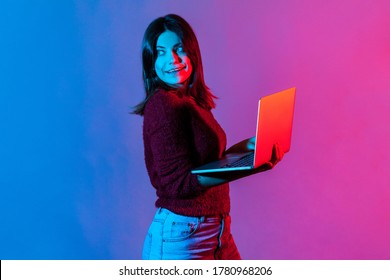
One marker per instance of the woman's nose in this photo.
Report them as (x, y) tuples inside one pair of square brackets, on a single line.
[(174, 58)]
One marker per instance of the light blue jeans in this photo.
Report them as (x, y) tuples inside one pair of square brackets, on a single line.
[(177, 237)]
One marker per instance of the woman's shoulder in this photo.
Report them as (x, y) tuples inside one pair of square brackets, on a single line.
[(163, 101), (164, 97)]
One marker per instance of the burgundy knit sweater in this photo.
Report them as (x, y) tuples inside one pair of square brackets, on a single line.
[(178, 136)]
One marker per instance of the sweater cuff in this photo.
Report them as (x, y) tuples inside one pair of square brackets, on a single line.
[(197, 187)]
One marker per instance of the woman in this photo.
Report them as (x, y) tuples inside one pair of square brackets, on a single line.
[(180, 133)]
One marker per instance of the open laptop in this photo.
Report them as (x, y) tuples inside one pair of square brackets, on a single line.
[(274, 125)]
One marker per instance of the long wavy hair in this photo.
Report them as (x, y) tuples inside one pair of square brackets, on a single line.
[(196, 86)]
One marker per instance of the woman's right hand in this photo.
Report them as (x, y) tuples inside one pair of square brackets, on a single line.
[(276, 157), (277, 154)]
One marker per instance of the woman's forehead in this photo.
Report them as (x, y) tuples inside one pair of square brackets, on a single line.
[(168, 39)]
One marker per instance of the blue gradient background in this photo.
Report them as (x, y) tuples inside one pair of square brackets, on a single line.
[(73, 183)]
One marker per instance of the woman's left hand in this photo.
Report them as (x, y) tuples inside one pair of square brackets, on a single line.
[(223, 177), (244, 146), (251, 143)]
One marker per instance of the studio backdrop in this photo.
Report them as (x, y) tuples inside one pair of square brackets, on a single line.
[(73, 182)]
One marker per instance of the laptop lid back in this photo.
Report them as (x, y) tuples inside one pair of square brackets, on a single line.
[(274, 124)]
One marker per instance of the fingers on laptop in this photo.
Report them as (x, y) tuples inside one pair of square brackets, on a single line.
[(277, 154)]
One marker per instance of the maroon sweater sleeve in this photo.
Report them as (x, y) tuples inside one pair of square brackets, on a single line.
[(169, 147)]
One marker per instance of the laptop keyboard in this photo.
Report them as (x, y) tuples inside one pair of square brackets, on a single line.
[(246, 160)]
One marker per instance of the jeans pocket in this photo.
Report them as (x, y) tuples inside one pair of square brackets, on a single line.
[(179, 228)]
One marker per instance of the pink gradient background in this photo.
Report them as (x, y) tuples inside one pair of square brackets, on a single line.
[(328, 199)]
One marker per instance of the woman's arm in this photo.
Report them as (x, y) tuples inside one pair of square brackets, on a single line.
[(168, 147), (219, 178)]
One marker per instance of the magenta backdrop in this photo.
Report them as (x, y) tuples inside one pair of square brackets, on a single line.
[(328, 199)]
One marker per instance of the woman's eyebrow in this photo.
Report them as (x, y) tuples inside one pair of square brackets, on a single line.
[(174, 46)]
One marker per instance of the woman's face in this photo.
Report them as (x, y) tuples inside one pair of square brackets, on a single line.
[(172, 65)]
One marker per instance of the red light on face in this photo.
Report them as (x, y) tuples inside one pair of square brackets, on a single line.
[(172, 65)]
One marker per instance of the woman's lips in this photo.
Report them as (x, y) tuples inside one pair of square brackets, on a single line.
[(176, 69)]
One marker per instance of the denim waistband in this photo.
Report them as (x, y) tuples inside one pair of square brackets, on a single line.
[(205, 218)]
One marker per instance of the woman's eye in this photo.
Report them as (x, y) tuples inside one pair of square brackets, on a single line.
[(160, 52), (180, 49)]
